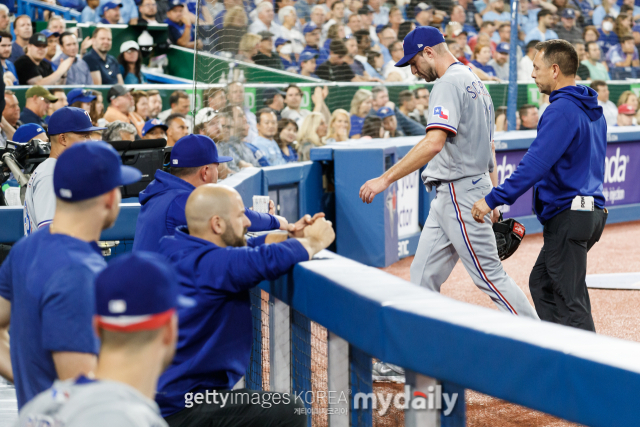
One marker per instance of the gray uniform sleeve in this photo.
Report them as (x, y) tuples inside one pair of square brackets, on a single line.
[(445, 108), (44, 200)]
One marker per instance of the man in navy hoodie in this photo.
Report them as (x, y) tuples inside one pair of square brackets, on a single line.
[(194, 162), (216, 269), (565, 165)]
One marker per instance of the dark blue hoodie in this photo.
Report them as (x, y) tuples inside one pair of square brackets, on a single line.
[(216, 333), (163, 203), (565, 160)]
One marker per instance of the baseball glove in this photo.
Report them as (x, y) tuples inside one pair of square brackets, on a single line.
[(509, 233)]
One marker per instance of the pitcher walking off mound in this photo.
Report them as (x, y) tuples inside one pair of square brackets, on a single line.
[(458, 151)]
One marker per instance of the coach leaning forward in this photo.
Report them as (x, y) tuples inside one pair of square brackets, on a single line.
[(565, 164)]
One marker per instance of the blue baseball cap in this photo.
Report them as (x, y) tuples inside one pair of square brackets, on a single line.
[(27, 132), (636, 29), (80, 95), (193, 151), (379, 28), (136, 292), (309, 27), (306, 55), (417, 40), (503, 48), (568, 13), (280, 41), (48, 33), (385, 112), (421, 7), (153, 123), (111, 5), (89, 169), (175, 3), (71, 119)]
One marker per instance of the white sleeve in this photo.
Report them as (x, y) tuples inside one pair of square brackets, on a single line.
[(44, 200), (445, 106)]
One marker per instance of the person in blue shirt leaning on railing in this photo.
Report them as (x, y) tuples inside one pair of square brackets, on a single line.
[(565, 166)]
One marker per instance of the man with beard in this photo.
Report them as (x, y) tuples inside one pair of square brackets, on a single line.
[(79, 73), (217, 267), (10, 74), (136, 301), (33, 68), (235, 96), (155, 103), (500, 61), (231, 142), (51, 307), (105, 69), (460, 167)]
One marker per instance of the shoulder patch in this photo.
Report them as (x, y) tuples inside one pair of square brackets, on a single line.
[(441, 112)]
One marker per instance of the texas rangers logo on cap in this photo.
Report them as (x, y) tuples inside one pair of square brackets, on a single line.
[(441, 112)]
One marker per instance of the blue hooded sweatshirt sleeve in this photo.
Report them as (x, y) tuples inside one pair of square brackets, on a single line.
[(565, 160)]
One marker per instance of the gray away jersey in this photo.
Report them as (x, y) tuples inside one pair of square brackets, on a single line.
[(461, 105), (94, 403), (40, 198)]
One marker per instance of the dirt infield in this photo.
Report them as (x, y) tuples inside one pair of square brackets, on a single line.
[(615, 312)]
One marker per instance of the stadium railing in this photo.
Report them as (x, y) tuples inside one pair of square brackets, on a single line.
[(30, 7)]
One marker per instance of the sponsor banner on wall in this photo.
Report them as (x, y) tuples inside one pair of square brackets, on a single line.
[(507, 163), (408, 202)]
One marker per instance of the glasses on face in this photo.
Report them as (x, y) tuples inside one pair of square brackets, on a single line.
[(45, 100)]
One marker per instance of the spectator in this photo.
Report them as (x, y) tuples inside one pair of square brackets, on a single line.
[(318, 16), (360, 107), (636, 35), (583, 71), (119, 131), (265, 20), (23, 30), (274, 99), (374, 64), (407, 106), (387, 38), (421, 112), (458, 18), (248, 47), (286, 139), (265, 55), (207, 123), (405, 28), (235, 132), (10, 75), (81, 98), (525, 67), (500, 61), (130, 62), (147, 10), (629, 98), (408, 126), (11, 112), (141, 104), (180, 28), (176, 128), (104, 67), (288, 30), (482, 55), (337, 14), (590, 34), (504, 36), (293, 100), (154, 129), (287, 58), (5, 22), (607, 8), (37, 103), (392, 73), (215, 98), (312, 39), (235, 96), (623, 25), (33, 69), (179, 103), (356, 66), (120, 105), (79, 72), (155, 103), (597, 69), (310, 135), (607, 37), (543, 31), (395, 18), (354, 23), (363, 41), (264, 147), (495, 12), (303, 10), (626, 115), (487, 30), (372, 128), (97, 109), (423, 13), (221, 9), (568, 30), (380, 12), (128, 12), (389, 122), (609, 108), (635, 10), (55, 106), (308, 64), (111, 13), (528, 117), (623, 55), (52, 46), (339, 126), (335, 69), (90, 14), (335, 32)]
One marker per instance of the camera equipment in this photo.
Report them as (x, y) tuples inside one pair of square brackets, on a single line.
[(21, 159), (146, 155)]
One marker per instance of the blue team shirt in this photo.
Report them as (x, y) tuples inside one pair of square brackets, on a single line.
[(356, 125), (216, 333), (48, 278), (488, 69), (162, 211), (12, 68), (176, 30)]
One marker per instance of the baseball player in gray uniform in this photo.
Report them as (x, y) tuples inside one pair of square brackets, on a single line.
[(458, 150)]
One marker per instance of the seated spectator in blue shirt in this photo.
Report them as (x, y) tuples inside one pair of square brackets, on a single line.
[(264, 146), (130, 61), (482, 55), (128, 11), (622, 55), (286, 138), (111, 13), (147, 10), (104, 68), (180, 28), (308, 64), (608, 38), (360, 108), (288, 59), (312, 39), (90, 13), (23, 30), (217, 267), (543, 31), (79, 73), (600, 12), (496, 12), (10, 74)]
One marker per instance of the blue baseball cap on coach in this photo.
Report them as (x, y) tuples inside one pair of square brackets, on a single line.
[(27, 132), (417, 40), (153, 123), (136, 292), (71, 119), (193, 151), (89, 169)]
